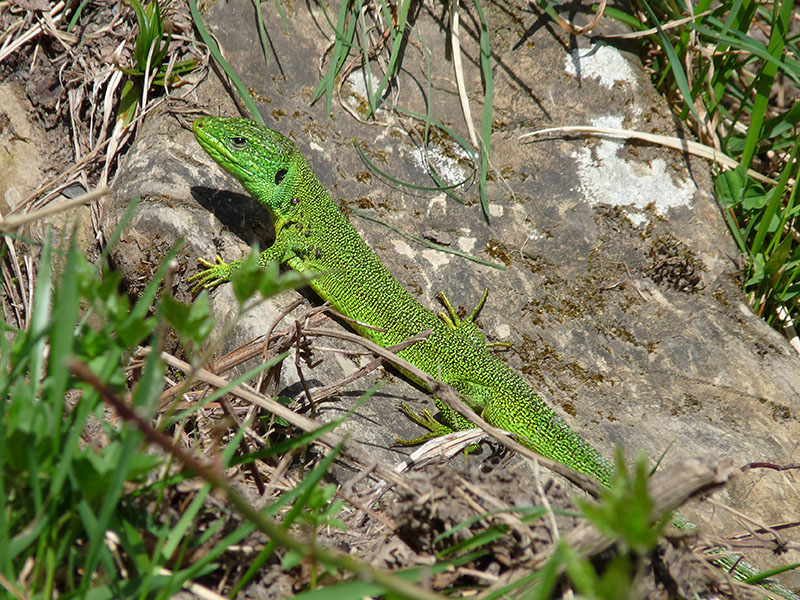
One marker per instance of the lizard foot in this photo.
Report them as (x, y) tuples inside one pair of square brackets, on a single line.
[(212, 276), (426, 420), (467, 325)]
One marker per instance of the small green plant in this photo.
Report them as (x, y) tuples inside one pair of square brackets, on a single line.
[(63, 495), (624, 513), (319, 510), (150, 67)]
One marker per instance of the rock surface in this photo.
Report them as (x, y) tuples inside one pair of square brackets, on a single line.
[(620, 298)]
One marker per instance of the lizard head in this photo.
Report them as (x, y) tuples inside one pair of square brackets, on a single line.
[(266, 163)]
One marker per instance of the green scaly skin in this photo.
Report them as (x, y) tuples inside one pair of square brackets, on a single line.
[(313, 235)]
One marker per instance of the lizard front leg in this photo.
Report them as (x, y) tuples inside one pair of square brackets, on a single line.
[(220, 272)]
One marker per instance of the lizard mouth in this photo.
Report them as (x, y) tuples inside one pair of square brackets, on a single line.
[(218, 150)]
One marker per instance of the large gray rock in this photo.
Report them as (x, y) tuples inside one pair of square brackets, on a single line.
[(621, 297)]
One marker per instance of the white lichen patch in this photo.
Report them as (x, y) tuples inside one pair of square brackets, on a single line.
[(437, 204), (436, 258), (446, 167), (496, 210), (605, 178), (357, 80), (404, 249), (600, 62), (467, 244), (503, 332)]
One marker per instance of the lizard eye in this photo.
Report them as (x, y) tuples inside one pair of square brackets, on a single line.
[(279, 175), (238, 142)]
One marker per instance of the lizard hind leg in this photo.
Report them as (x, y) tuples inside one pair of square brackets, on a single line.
[(424, 418), (467, 326), (476, 396), (435, 427)]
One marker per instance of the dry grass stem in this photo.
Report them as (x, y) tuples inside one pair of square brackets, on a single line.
[(683, 145), (15, 221)]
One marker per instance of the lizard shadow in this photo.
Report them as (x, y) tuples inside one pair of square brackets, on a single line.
[(239, 213)]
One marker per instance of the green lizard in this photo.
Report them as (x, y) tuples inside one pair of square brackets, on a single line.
[(311, 234)]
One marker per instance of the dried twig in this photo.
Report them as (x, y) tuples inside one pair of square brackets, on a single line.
[(350, 449)]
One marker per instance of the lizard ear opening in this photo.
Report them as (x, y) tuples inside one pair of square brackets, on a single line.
[(279, 175)]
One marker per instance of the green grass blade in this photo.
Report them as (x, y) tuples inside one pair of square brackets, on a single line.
[(397, 44), (262, 33), (623, 17), (279, 8), (780, 25), (244, 95), (5, 363), (304, 489), (771, 573), (773, 205), (40, 318), (344, 31), (77, 15), (674, 62), (66, 305)]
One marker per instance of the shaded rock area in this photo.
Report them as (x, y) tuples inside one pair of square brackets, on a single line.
[(620, 296)]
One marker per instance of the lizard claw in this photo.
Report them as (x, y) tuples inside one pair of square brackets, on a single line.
[(213, 275), (426, 419), (465, 325)]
